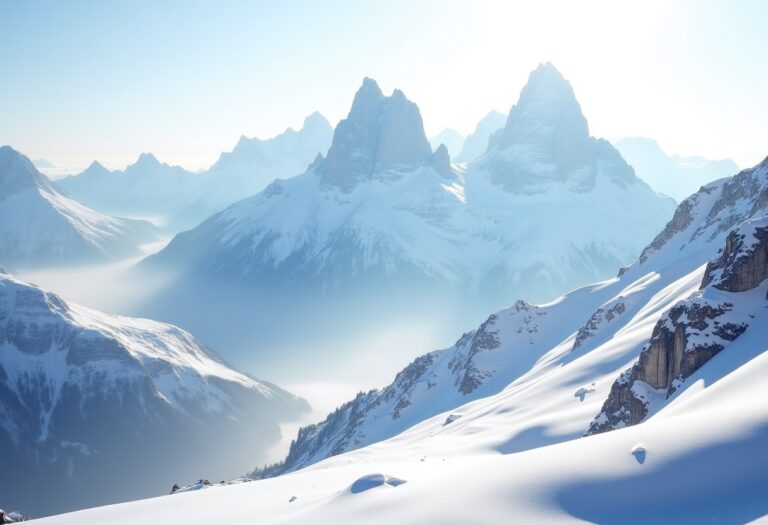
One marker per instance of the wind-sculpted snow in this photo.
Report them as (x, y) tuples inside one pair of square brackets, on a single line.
[(86, 396), (40, 226)]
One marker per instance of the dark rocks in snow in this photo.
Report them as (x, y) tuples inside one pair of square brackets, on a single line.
[(690, 333), (11, 517), (740, 268), (602, 315)]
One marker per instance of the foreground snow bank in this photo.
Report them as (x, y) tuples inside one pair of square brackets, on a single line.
[(704, 464)]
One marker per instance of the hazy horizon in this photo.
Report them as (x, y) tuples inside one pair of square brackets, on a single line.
[(185, 80)]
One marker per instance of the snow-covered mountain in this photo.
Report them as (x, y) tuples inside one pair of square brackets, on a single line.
[(146, 188), (180, 199), (40, 226), (671, 175), (476, 142), (96, 408), (383, 209), (453, 140), (490, 430), (543, 372), (254, 163)]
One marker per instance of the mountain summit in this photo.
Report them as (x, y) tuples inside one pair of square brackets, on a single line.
[(40, 226), (379, 133), (545, 142), (548, 117), (17, 173)]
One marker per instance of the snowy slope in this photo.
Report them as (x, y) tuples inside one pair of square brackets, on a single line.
[(41, 226), (179, 199), (382, 210), (671, 175), (87, 396), (517, 457), (550, 366)]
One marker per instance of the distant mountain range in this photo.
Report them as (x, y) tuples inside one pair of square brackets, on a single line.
[(178, 199), (671, 175), (546, 200), (42, 226), (97, 408)]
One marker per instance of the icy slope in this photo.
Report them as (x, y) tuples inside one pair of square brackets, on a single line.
[(40, 226), (559, 359), (86, 396)]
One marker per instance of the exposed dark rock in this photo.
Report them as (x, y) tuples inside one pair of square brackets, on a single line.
[(379, 133), (602, 315), (690, 333), (739, 267)]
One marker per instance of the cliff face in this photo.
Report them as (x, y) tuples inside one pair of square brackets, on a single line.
[(379, 133), (694, 331)]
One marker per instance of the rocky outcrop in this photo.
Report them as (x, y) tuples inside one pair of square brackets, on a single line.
[(11, 517), (441, 162), (602, 316), (692, 332), (743, 263)]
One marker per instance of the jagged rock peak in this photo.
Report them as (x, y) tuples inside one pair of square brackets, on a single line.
[(441, 161), (548, 116), (380, 132), (17, 173)]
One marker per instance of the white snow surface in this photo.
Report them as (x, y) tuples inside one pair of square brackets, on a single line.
[(516, 453), (39, 225)]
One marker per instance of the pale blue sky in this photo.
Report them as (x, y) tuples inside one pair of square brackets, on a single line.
[(84, 80)]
